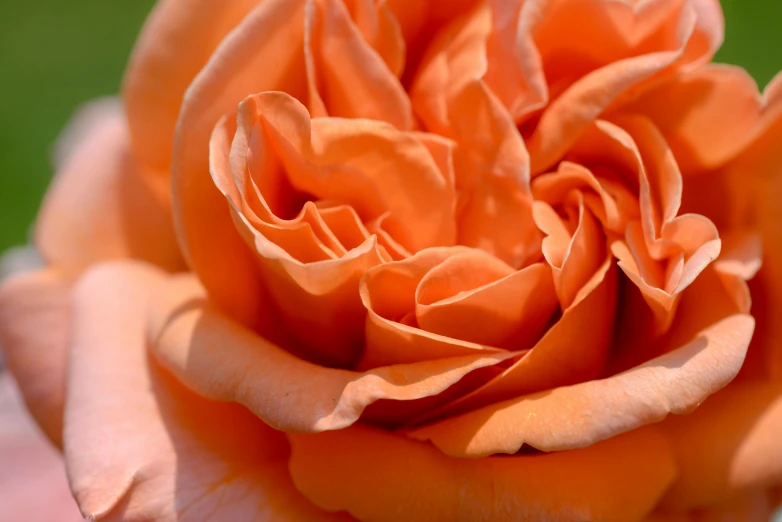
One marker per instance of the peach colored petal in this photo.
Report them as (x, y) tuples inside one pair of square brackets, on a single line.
[(579, 415), (759, 168), (567, 117), (269, 39), (662, 252), (614, 205), (165, 60), (381, 30), (346, 76), (34, 334), (574, 257), (101, 205), (514, 69), (388, 292), (492, 178), (739, 261), (690, 110), (563, 356), (371, 166), (728, 445), (140, 447), (399, 479), (32, 470), (510, 312), (222, 361), (754, 506)]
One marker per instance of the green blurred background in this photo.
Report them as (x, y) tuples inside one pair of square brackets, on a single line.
[(54, 55)]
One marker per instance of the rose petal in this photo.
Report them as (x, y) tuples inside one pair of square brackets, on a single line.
[(563, 356), (755, 506), (222, 361), (165, 60), (566, 118), (579, 415), (102, 205), (406, 480), (140, 447), (346, 76), (388, 292), (269, 38), (34, 334), (690, 108), (728, 445)]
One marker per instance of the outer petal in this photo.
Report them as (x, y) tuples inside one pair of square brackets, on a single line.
[(34, 332), (100, 205), (138, 446), (398, 479), (31, 468), (731, 444), (577, 416), (223, 361), (165, 60)]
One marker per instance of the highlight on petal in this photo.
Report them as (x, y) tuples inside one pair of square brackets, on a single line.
[(222, 361), (138, 446), (34, 334), (400, 479), (579, 415), (728, 446), (102, 205)]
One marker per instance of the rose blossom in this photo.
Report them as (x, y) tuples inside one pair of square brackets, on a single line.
[(392, 260)]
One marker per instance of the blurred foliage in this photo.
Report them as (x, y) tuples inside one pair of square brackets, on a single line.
[(54, 55)]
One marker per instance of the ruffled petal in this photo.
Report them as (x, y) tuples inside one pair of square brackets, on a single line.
[(223, 361), (402, 479), (346, 76), (138, 446), (101, 204), (34, 335), (564, 355), (579, 415), (269, 38)]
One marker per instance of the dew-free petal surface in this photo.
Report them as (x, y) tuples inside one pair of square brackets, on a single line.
[(138, 446), (399, 479)]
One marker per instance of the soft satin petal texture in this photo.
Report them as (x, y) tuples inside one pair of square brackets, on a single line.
[(138, 446), (100, 205), (615, 480), (219, 359), (34, 334)]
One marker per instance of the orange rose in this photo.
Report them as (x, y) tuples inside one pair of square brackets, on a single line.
[(454, 261)]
